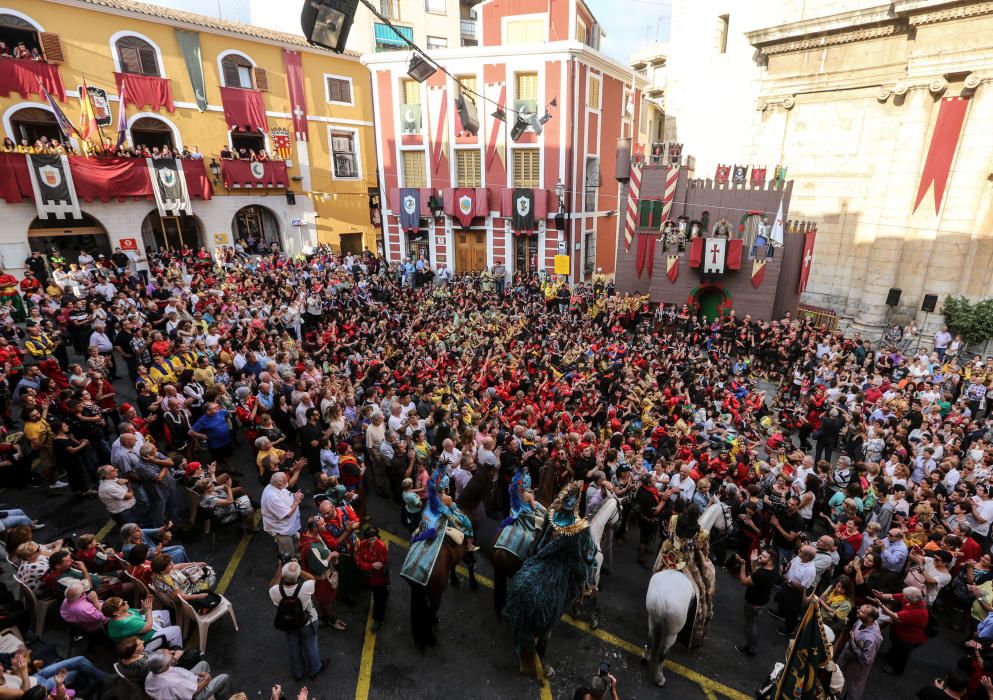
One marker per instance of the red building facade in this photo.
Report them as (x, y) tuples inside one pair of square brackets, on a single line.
[(536, 57)]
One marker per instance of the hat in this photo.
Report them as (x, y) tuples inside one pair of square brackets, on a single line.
[(126, 408), (192, 467)]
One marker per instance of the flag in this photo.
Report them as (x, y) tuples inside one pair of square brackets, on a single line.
[(713, 255), (738, 174), (808, 653), (169, 186), (758, 176), (410, 209), (88, 127), (65, 124), (122, 116), (189, 44), (758, 272), (780, 175), (776, 235), (52, 187), (634, 187), (807, 260), (465, 206), (672, 268), (281, 143), (696, 252), (298, 95), (734, 253), (941, 152), (522, 203)]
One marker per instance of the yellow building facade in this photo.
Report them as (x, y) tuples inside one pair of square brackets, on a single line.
[(324, 196)]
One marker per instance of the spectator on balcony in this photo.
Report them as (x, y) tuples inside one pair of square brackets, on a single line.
[(36, 55), (244, 154), (8, 143), (226, 153), (21, 51), (167, 152), (260, 155), (5, 52)]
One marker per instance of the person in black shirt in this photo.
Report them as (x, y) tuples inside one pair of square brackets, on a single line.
[(786, 531), (759, 584), (120, 260), (310, 436), (36, 263)]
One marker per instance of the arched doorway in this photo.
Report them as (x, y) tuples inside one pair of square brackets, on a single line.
[(152, 132), (168, 232), (710, 301), (69, 236), (256, 222), (34, 123)]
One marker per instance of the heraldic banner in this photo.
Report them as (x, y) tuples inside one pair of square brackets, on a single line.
[(522, 204), (169, 186), (51, 184), (410, 209)]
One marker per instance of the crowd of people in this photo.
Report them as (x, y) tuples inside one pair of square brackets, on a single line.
[(856, 473), (64, 147)]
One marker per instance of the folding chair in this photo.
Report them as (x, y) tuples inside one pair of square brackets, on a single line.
[(205, 621), (40, 607)]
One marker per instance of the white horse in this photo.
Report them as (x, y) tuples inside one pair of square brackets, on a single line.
[(608, 516), (671, 595)]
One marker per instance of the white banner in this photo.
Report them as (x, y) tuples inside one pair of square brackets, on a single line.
[(714, 251)]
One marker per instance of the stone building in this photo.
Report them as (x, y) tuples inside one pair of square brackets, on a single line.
[(880, 112)]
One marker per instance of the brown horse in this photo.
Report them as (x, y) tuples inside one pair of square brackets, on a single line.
[(470, 502), (425, 601)]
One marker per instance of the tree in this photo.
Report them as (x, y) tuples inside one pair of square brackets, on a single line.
[(974, 322)]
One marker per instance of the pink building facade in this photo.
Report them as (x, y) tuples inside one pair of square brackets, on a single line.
[(535, 56)]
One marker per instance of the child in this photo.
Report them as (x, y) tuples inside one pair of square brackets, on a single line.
[(410, 511)]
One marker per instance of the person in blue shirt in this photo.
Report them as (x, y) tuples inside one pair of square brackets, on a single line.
[(213, 427)]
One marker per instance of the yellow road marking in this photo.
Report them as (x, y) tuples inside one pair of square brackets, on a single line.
[(545, 686), (709, 686), (105, 530), (365, 665), (239, 554), (709, 694)]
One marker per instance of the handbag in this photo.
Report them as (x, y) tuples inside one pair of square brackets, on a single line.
[(205, 605)]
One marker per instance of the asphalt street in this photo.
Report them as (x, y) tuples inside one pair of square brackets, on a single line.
[(475, 656)]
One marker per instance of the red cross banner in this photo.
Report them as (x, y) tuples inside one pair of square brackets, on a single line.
[(298, 95), (714, 250), (807, 260), (672, 268), (634, 187)]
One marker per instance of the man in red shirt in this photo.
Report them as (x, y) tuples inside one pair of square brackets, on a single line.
[(373, 559), (909, 626)]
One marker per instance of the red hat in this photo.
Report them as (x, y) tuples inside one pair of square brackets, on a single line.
[(192, 467), (126, 407)]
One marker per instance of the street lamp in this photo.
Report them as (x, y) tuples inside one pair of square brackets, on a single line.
[(215, 170), (560, 193)]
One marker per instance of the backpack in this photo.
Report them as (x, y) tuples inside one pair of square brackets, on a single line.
[(290, 615)]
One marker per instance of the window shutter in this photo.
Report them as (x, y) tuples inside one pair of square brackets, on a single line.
[(149, 64), (51, 46), (657, 213), (644, 213), (261, 79), (231, 78), (411, 92), (130, 60)]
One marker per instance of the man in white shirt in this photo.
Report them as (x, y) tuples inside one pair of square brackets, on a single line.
[(397, 418), (450, 455), (683, 484), (305, 656), (982, 513), (116, 495), (281, 513), (799, 580), (166, 681), (485, 454)]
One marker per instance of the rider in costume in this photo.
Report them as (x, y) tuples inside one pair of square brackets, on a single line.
[(440, 511), (687, 549), (558, 570)]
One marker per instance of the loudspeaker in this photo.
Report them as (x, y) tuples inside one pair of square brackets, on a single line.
[(291, 198), (893, 298), (930, 303), (622, 167), (468, 117), (560, 222)]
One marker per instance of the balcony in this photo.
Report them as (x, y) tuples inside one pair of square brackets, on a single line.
[(467, 28)]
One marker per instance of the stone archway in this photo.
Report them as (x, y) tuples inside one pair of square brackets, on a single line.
[(257, 224), (69, 237), (171, 232)]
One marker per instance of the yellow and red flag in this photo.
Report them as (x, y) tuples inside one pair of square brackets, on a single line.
[(88, 127)]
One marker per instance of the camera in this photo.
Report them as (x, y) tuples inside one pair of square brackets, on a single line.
[(285, 557)]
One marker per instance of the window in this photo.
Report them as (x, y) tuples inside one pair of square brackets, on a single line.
[(437, 6), (414, 167), (137, 56), (251, 143), (650, 213), (339, 89), (389, 9), (410, 110), (238, 72), (32, 123), (15, 31), (526, 92), (343, 154), (592, 182), (525, 31), (593, 94), (722, 33), (437, 42), (580, 31), (527, 169), (468, 84), (589, 251), (151, 132), (468, 168)]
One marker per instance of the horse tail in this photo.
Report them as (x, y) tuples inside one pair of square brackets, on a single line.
[(656, 635), (499, 591)]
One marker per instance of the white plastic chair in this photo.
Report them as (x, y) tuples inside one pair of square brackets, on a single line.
[(205, 621), (40, 607)]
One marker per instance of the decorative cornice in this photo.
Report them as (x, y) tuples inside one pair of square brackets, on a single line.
[(817, 42), (963, 11)]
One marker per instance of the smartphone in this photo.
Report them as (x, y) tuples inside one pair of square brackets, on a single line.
[(604, 669)]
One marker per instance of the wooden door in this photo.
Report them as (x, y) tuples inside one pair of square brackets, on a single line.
[(470, 251)]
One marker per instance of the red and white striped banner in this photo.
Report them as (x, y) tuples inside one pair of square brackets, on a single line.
[(634, 187), (672, 177)]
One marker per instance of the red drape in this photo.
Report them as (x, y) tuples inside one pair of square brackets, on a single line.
[(145, 90), (244, 173), (197, 179), (15, 183), (244, 109), (941, 152), (21, 76)]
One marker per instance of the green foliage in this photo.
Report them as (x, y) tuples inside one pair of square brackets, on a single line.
[(973, 321)]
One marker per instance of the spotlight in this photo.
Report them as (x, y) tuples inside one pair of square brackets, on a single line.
[(520, 126), (419, 69), (326, 23), (468, 116), (545, 119), (500, 114), (535, 124)]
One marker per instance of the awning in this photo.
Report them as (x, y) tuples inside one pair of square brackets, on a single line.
[(388, 35)]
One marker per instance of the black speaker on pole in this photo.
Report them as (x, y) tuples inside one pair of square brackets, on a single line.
[(893, 298), (560, 222), (291, 198), (930, 303)]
